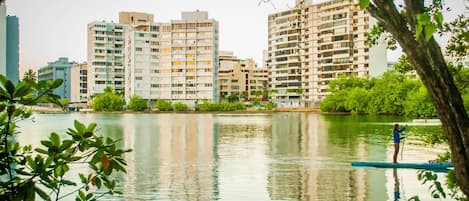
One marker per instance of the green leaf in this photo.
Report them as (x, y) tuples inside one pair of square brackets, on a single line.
[(79, 127), (10, 87), (42, 151), (91, 127), (418, 31), (83, 178), (59, 171), (67, 182), (423, 18), (4, 93), (46, 143), (429, 30), (22, 89), (81, 194), (66, 144), (438, 17), (89, 196), (56, 83), (364, 3), (55, 139)]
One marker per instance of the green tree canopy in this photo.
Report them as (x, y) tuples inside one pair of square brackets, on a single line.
[(107, 102), (137, 103)]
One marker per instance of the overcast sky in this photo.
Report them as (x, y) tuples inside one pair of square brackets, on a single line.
[(57, 28)]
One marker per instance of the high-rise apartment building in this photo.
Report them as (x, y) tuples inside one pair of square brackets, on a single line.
[(9, 44), (283, 62), (79, 83), (59, 69), (3, 38), (12, 48), (176, 61), (106, 44), (105, 57), (316, 43)]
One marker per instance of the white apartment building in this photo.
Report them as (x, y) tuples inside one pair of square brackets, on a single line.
[(105, 57), (331, 42), (283, 61), (175, 61)]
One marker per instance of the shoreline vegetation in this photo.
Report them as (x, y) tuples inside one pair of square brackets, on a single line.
[(247, 111)]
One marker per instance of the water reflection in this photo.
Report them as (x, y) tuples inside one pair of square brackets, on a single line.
[(308, 164), (397, 193), (280, 156), (173, 158)]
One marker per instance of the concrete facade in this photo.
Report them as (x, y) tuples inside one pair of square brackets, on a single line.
[(240, 76), (105, 57), (79, 83), (60, 69), (284, 58), (135, 18), (176, 61)]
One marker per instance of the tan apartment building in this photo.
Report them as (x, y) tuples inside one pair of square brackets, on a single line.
[(79, 83), (237, 77), (176, 61), (317, 43)]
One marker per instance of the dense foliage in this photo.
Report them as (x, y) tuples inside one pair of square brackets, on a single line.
[(137, 103), (164, 105), (393, 93), (107, 102), (180, 107), (223, 106), (29, 172)]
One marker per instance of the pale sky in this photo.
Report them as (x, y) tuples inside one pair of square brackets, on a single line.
[(50, 29)]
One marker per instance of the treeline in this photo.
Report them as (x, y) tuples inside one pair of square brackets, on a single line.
[(110, 101), (392, 93)]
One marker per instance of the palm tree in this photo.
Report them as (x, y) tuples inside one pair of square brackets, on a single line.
[(30, 76)]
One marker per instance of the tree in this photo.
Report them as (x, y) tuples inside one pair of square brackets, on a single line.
[(107, 102), (44, 171), (137, 103), (403, 65), (233, 97), (30, 76), (418, 103), (413, 27), (163, 105), (180, 107)]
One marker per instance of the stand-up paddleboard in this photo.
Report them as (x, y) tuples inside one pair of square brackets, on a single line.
[(427, 166)]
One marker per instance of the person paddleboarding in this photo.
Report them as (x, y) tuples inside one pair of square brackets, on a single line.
[(397, 140)]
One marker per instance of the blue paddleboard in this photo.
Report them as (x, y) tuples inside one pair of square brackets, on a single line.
[(427, 166)]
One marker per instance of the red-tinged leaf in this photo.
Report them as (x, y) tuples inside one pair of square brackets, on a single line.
[(105, 162)]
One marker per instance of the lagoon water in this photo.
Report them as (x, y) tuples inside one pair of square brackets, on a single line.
[(275, 156)]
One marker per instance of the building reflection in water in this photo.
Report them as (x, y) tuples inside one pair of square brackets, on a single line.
[(309, 163), (176, 158)]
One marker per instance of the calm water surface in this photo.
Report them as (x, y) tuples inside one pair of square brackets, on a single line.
[(280, 156)]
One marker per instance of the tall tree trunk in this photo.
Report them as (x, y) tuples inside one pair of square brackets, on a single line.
[(428, 61)]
